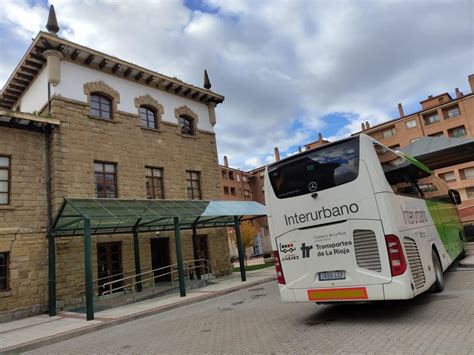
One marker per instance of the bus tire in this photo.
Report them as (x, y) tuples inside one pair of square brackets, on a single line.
[(438, 285)]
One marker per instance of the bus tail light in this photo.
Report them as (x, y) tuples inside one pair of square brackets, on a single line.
[(279, 271), (398, 264)]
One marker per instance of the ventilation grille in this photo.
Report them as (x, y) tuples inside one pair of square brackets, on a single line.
[(414, 261), (367, 250)]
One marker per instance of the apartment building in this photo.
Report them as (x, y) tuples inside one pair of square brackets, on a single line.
[(321, 141), (240, 185), (440, 116), (236, 184), (75, 122)]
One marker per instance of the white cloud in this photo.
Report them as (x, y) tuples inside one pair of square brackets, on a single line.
[(282, 65)]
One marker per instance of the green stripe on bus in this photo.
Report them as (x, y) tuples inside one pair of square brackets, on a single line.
[(417, 163), (448, 226)]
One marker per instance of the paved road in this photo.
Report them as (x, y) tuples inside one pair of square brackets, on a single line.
[(255, 321)]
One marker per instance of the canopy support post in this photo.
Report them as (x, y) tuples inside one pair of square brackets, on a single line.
[(240, 248), (136, 252), (179, 257), (197, 269), (88, 270), (51, 275)]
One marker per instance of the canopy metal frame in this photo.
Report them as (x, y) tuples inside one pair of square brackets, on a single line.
[(93, 216)]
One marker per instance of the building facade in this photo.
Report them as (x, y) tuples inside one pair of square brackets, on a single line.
[(114, 130), (236, 184), (321, 141), (440, 116), (239, 185)]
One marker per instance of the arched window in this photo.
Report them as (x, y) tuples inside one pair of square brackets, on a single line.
[(101, 106), (148, 117), (186, 125)]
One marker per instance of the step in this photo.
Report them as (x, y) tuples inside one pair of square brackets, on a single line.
[(467, 262)]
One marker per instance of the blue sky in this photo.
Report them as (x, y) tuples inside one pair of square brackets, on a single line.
[(288, 69)]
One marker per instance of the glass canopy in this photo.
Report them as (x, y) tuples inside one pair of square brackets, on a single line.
[(113, 216)]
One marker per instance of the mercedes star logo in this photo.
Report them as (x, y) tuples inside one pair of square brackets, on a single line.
[(312, 186)]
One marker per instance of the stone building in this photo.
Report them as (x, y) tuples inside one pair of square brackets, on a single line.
[(440, 116), (75, 122)]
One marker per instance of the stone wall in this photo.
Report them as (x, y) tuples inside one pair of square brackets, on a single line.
[(81, 140), (23, 225), (76, 144)]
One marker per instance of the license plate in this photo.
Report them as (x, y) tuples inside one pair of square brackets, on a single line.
[(331, 275)]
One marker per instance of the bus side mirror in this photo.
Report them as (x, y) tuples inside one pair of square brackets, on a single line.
[(455, 197)]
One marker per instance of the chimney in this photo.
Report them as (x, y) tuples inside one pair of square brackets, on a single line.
[(299, 149), (367, 126), (471, 82), (400, 110), (226, 161), (459, 94), (362, 126), (276, 152), (320, 137), (430, 97)]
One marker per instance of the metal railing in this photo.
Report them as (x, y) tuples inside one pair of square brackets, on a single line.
[(129, 283)]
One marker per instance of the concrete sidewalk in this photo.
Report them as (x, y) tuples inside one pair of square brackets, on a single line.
[(33, 332)]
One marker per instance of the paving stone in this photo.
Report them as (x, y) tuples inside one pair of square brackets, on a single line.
[(241, 324)]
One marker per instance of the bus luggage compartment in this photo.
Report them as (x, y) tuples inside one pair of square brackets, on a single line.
[(345, 254)]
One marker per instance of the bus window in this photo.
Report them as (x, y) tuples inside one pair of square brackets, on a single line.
[(434, 188), (402, 175), (316, 170)]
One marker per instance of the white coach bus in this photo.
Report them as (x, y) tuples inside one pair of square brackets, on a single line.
[(356, 221)]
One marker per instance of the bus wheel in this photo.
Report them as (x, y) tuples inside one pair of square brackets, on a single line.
[(438, 286)]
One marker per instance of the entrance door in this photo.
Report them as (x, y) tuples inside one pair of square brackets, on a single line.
[(201, 251), (109, 263), (160, 258)]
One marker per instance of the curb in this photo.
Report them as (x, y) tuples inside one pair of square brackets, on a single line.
[(53, 339), (467, 262)]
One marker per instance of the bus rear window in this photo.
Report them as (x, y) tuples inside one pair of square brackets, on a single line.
[(318, 170)]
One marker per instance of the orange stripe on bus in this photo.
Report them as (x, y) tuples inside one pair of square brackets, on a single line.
[(355, 293)]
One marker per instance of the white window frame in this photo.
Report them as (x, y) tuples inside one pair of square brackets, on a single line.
[(393, 132), (409, 125), (464, 173)]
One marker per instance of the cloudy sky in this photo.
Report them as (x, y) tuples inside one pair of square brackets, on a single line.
[(288, 69)]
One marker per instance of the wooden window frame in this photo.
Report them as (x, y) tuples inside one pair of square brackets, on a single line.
[(191, 184), (7, 272), (103, 172), (451, 131), (101, 97), (449, 109), (155, 181), (9, 178), (145, 120), (427, 116)]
